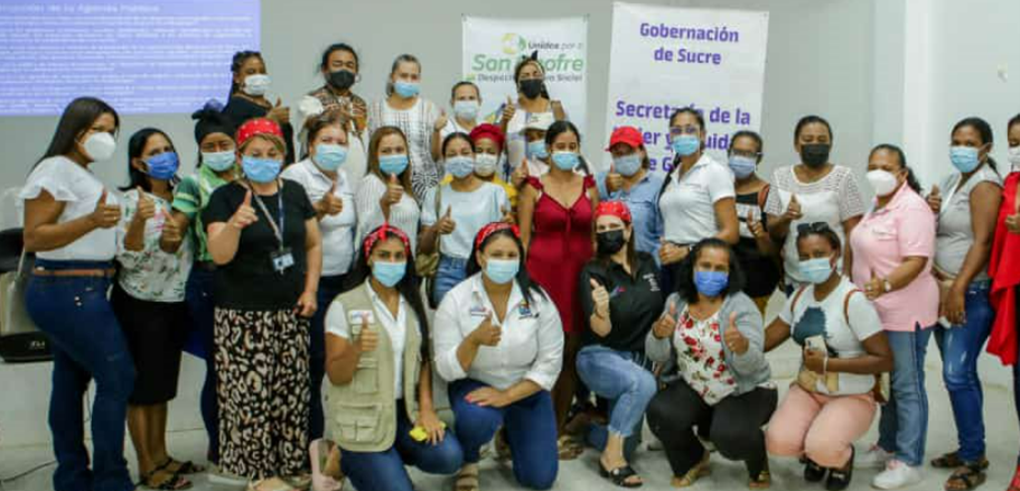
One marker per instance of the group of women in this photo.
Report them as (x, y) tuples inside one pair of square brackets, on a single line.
[(386, 246)]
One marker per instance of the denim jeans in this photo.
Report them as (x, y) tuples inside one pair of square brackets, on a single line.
[(329, 288), (198, 294), (384, 471), (451, 272), (629, 387), (903, 426), (87, 343), (530, 431), (961, 346)]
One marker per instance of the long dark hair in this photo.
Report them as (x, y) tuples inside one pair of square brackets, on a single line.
[(524, 61), (605, 259), (564, 126), (408, 287), (235, 66), (812, 119), (527, 286), (685, 272), (911, 178), (136, 145), (984, 130), (455, 136), (676, 159), (76, 119)]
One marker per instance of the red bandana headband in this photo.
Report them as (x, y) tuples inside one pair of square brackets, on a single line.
[(383, 233), (257, 126), (617, 209), (492, 228)]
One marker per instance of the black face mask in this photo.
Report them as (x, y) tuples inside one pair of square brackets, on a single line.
[(815, 154), (341, 79), (610, 242), (532, 88)]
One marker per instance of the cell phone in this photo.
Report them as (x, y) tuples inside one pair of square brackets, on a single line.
[(816, 343)]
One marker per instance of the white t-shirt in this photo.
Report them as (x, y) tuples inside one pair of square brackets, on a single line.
[(688, 201), (338, 323), (337, 230), (404, 215), (79, 190), (810, 317), (471, 211)]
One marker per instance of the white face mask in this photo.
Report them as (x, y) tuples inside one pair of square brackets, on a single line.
[(1014, 157), (100, 146), (882, 182), (256, 85), (485, 164)]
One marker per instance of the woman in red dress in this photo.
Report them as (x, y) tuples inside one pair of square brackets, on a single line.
[(555, 212)]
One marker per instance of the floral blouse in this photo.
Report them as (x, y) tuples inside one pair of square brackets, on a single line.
[(151, 274), (700, 357)]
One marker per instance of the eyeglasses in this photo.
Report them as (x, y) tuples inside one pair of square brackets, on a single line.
[(684, 130), (745, 153), (815, 227)]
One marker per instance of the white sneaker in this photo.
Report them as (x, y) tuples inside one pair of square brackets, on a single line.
[(874, 458), (897, 475)]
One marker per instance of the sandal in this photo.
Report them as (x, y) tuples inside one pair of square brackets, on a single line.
[(183, 468), (270, 484), (952, 460), (467, 478), (619, 476), (503, 453), (764, 478), (301, 482), (701, 469), (966, 477), (568, 448), (325, 457), (162, 479)]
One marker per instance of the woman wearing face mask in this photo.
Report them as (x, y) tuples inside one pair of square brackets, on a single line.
[(537, 160), (418, 118), (755, 250), (70, 221), (1004, 269), (380, 372), (263, 231), (814, 190), (217, 165), (499, 344), (339, 67), (325, 181), (629, 180), (555, 212), (385, 193), (711, 333), (965, 205), (149, 302), (466, 101), (532, 99), (893, 248), (455, 212), (696, 200), (621, 299), (844, 349), (489, 159), (248, 99)]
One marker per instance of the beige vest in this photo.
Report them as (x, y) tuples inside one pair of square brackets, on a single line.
[(362, 414)]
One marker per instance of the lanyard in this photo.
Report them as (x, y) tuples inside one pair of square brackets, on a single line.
[(277, 230)]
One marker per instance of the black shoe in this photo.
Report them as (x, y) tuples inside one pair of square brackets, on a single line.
[(813, 472), (839, 479)]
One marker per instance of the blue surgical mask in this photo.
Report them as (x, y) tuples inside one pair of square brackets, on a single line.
[(460, 166), (685, 145), (711, 283), (162, 166), (965, 159), (219, 161), (628, 165), (393, 164), (816, 270), (329, 157), (502, 271), (565, 160), (466, 110), (536, 150), (387, 273), (260, 170), (406, 89), (742, 167)]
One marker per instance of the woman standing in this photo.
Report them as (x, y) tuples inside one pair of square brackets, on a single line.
[(380, 398), (466, 102), (384, 195), (149, 302), (417, 118), (489, 155), (893, 248), (555, 212), (499, 344), (630, 180), (711, 332), (70, 221), (966, 223), (532, 100), (248, 99), (263, 231)]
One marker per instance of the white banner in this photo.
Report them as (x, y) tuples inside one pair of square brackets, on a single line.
[(664, 58)]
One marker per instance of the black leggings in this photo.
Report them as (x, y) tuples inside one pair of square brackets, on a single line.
[(734, 426)]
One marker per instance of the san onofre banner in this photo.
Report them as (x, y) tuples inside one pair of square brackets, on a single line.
[(665, 58), (492, 48)]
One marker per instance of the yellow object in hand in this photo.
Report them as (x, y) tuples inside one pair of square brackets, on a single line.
[(419, 434)]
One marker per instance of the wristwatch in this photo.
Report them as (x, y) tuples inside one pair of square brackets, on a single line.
[(886, 285)]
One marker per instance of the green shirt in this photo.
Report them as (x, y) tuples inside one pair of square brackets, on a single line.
[(191, 196)]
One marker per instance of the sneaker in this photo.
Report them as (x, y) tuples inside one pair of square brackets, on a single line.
[(875, 458), (897, 475)]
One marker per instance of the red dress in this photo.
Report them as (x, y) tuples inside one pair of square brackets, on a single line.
[(1004, 268), (560, 247)]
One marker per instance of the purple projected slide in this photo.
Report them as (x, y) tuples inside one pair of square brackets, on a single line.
[(149, 56)]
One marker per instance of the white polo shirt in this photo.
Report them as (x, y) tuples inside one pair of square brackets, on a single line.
[(688, 201), (337, 230)]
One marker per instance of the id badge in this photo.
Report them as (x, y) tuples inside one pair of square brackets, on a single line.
[(282, 259)]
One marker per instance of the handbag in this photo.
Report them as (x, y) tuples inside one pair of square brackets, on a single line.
[(426, 265), (20, 339)]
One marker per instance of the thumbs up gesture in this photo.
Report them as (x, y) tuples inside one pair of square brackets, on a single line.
[(331, 204), (508, 217), (146, 207), (754, 225), (104, 215), (614, 180), (600, 297), (486, 334), (446, 225), (509, 109), (664, 327), (279, 112), (521, 173), (793, 211), (935, 199), (171, 235), (245, 214), (394, 191), (368, 339), (441, 120), (875, 287), (734, 340)]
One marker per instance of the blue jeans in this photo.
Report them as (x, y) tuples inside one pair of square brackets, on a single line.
[(198, 294), (329, 288), (87, 343), (629, 386), (530, 431), (451, 272), (384, 471), (960, 347), (903, 426)]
